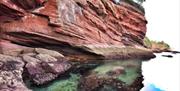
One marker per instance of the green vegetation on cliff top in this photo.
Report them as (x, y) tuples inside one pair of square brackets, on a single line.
[(159, 45)]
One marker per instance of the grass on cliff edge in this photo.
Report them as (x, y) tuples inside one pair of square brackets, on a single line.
[(161, 45)]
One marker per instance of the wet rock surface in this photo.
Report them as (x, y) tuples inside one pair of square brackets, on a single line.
[(169, 56), (116, 71), (128, 78), (11, 69), (113, 76), (39, 68), (173, 52), (95, 83)]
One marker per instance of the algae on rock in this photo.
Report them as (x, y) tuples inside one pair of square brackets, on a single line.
[(130, 70), (70, 84)]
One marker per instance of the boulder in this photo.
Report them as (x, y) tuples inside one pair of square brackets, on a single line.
[(43, 68), (11, 69), (39, 68)]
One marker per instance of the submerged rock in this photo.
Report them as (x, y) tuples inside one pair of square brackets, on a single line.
[(45, 67), (116, 71), (117, 76), (95, 83), (169, 56)]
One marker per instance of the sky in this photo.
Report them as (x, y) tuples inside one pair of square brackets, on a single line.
[(163, 21), (163, 74)]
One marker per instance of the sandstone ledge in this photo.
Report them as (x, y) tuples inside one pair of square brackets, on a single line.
[(119, 52)]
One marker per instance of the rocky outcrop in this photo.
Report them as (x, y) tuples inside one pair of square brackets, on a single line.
[(67, 25), (45, 65), (11, 69), (77, 29), (95, 83), (169, 56), (113, 76), (157, 46), (39, 65)]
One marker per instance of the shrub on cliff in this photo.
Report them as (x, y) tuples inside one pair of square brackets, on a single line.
[(161, 46), (136, 3), (139, 1), (147, 42), (157, 46)]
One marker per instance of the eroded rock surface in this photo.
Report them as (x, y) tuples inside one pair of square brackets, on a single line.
[(65, 24), (115, 75), (11, 69), (40, 65), (78, 29), (45, 65)]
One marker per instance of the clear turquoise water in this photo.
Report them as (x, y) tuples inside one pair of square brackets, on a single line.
[(68, 84), (132, 70), (156, 79)]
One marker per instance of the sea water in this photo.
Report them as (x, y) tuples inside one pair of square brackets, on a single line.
[(162, 73)]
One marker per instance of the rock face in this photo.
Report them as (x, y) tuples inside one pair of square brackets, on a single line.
[(40, 65), (77, 29), (47, 23), (43, 67), (11, 69)]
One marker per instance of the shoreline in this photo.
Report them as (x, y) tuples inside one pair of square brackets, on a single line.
[(44, 66), (37, 60)]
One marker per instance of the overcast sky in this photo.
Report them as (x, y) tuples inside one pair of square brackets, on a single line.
[(163, 21), (163, 24)]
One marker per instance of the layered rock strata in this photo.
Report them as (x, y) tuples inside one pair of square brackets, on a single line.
[(78, 29), (67, 25)]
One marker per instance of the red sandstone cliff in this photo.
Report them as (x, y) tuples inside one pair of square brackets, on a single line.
[(42, 23), (78, 29)]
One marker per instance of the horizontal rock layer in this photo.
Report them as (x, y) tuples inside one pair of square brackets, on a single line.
[(79, 29), (71, 22)]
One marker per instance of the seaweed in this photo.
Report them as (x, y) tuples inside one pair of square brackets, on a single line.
[(70, 84)]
